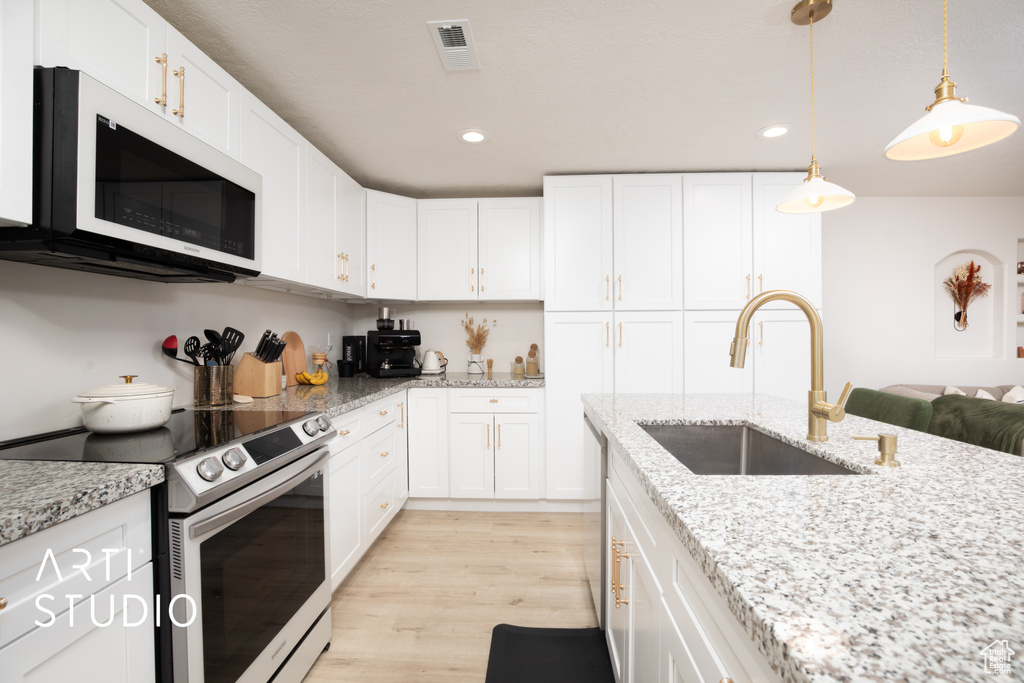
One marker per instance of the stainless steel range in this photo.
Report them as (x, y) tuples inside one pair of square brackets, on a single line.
[(239, 534)]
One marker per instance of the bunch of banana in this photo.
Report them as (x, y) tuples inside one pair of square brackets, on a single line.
[(317, 378)]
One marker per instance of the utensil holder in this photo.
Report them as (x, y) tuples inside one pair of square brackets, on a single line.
[(256, 378), (212, 385)]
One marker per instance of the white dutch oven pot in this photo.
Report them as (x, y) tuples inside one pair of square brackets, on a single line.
[(122, 408)]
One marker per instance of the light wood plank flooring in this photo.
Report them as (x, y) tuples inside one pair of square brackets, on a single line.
[(421, 604)]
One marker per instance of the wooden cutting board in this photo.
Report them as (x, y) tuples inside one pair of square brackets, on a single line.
[(293, 357)]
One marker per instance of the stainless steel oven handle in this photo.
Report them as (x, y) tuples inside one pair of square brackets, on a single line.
[(242, 509)]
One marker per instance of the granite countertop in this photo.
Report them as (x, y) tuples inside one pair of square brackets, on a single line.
[(37, 494), (342, 394), (901, 574)]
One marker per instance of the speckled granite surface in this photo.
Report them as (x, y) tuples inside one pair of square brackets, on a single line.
[(342, 394), (35, 495), (904, 574)]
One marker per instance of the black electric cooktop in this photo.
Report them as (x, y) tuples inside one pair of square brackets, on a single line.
[(188, 432)]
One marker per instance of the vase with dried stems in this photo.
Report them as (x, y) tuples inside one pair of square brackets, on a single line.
[(964, 286), (476, 337)]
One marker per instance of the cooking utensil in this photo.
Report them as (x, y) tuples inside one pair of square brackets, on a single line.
[(127, 407), (213, 336), (192, 349), (170, 349), (294, 357), (208, 352), (230, 340)]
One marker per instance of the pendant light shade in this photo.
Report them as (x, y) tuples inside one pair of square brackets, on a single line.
[(815, 194), (951, 126)]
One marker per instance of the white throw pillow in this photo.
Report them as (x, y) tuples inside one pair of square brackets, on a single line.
[(985, 395), (1015, 395), (950, 389)]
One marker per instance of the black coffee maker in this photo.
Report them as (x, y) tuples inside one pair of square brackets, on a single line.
[(392, 353)]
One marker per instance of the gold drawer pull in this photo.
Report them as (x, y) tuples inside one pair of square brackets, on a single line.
[(162, 61), (488, 436), (344, 432), (494, 400), (373, 275), (725, 680), (384, 505), (385, 454), (3, 603), (180, 111), (401, 415), (382, 412)]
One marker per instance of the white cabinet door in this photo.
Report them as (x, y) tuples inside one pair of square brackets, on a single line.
[(579, 360), (427, 418), (509, 249), (106, 638), (471, 455), (273, 149), (644, 618), (390, 246), (781, 346), (117, 42), (447, 267), (706, 369), (578, 243), (350, 236), (15, 112), (203, 98), (648, 352), (344, 512), (717, 240), (517, 456), (648, 242), (325, 266), (787, 247)]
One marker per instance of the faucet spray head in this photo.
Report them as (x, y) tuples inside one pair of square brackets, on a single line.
[(738, 352)]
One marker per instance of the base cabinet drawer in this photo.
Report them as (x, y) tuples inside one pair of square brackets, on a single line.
[(382, 503), (381, 455), (495, 400)]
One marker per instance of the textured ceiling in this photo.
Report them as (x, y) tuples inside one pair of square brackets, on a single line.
[(600, 86)]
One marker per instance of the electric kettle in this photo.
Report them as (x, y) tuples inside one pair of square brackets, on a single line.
[(433, 363)]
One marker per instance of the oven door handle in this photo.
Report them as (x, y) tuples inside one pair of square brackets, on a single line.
[(242, 509)]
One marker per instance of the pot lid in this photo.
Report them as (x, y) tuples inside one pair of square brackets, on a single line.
[(128, 389)]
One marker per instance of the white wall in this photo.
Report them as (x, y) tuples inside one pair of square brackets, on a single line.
[(63, 332), (881, 315), (519, 325)]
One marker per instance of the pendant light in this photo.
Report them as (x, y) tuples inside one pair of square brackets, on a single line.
[(815, 194), (951, 126)]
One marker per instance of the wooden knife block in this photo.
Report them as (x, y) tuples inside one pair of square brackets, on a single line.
[(257, 379)]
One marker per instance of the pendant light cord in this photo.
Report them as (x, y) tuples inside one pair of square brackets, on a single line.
[(812, 82), (945, 40)]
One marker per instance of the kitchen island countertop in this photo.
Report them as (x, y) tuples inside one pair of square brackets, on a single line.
[(900, 574)]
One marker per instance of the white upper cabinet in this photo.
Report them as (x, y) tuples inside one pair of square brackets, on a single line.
[(15, 112), (787, 247), (446, 230), (273, 149), (390, 246), (578, 243), (717, 240), (509, 249), (122, 44), (335, 228), (648, 242), (479, 250), (736, 245)]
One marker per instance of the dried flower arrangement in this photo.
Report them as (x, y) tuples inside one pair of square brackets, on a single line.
[(964, 286), (477, 336)]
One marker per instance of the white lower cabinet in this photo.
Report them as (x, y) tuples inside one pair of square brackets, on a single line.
[(428, 443), (366, 485), (670, 625), (97, 591)]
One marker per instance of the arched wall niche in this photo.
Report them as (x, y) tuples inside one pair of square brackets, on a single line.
[(986, 317)]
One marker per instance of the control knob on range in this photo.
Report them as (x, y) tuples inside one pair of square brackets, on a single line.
[(311, 428), (325, 424), (209, 468), (234, 459)]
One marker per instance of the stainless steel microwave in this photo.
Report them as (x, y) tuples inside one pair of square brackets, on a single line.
[(118, 189)]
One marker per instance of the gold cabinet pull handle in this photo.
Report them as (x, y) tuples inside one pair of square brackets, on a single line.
[(385, 454), (494, 400), (760, 283), (3, 603), (373, 271), (620, 288), (499, 437), (472, 272), (725, 680), (481, 279), (607, 287), (344, 432), (760, 327), (401, 414), (748, 285), (384, 505), (607, 343), (342, 276), (620, 335), (488, 436), (162, 61), (346, 267), (614, 563), (382, 412), (180, 111)]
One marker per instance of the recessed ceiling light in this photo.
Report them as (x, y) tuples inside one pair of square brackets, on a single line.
[(775, 130), (473, 135)]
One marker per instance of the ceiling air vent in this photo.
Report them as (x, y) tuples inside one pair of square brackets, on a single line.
[(454, 43)]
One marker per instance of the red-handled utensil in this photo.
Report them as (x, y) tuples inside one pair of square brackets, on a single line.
[(170, 349)]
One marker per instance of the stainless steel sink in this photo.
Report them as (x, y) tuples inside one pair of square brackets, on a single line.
[(727, 449)]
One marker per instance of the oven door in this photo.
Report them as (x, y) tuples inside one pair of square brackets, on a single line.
[(255, 566)]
